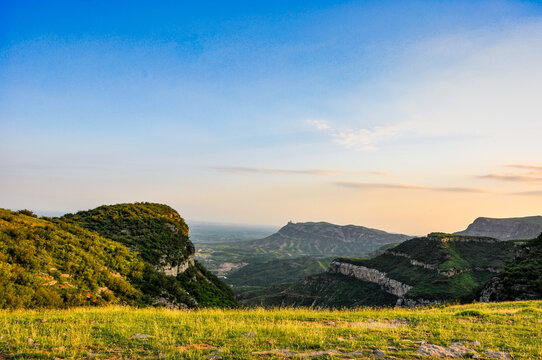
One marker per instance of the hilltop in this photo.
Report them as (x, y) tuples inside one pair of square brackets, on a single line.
[(137, 254), (433, 269), (505, 229), (160, 236), (325, 239)]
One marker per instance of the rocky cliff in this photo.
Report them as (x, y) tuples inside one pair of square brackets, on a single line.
[(505, 229), (374, 276)]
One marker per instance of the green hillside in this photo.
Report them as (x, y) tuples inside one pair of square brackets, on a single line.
[(521, 278), (437, 268), (136, 254), (259, 278), (51, 263), (160, 236), (156, 231), (277, 271)]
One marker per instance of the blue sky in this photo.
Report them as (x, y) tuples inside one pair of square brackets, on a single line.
[(262, 112)]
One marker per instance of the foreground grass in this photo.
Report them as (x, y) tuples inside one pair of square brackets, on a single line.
[(513, 327)]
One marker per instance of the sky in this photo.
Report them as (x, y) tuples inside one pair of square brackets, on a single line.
[(410, 117)]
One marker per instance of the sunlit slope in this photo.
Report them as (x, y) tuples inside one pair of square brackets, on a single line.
[(511, 329), (51, 263)]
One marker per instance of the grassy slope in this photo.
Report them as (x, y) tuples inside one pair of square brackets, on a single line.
[(50, 263), (107, 332), (97, 269), (258, 280)]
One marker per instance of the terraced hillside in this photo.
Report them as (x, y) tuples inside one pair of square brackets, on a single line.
[(505, 229), (433, 269)]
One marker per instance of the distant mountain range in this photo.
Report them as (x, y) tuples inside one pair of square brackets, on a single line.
[(505, 229), (323, 239)]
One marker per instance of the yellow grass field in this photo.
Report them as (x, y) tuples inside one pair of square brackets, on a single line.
[(364, 333)]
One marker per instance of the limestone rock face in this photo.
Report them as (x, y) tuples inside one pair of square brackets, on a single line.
[(363, 273), (171, 270)]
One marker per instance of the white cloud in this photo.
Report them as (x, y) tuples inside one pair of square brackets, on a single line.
[(481, 88), (367, 139), (318, 124)]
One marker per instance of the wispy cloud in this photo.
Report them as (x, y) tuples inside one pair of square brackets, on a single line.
[(533, 169), (318, 124), (398, 186), (527, 193), (512, 178), (366, 139), (253, 170), (522, 173), (315, 172)]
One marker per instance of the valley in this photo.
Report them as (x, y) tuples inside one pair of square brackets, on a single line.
[(275, 271)]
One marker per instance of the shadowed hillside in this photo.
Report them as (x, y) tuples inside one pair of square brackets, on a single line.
[(521, 278)]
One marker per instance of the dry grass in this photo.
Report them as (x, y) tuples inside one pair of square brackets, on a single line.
[(107, 333)]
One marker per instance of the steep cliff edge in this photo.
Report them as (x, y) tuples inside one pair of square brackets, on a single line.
[(505, 229)]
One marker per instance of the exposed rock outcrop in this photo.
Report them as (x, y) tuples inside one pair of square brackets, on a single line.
[(171, 270), (363, 273)]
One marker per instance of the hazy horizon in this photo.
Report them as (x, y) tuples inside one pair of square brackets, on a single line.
[(407, 117)]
